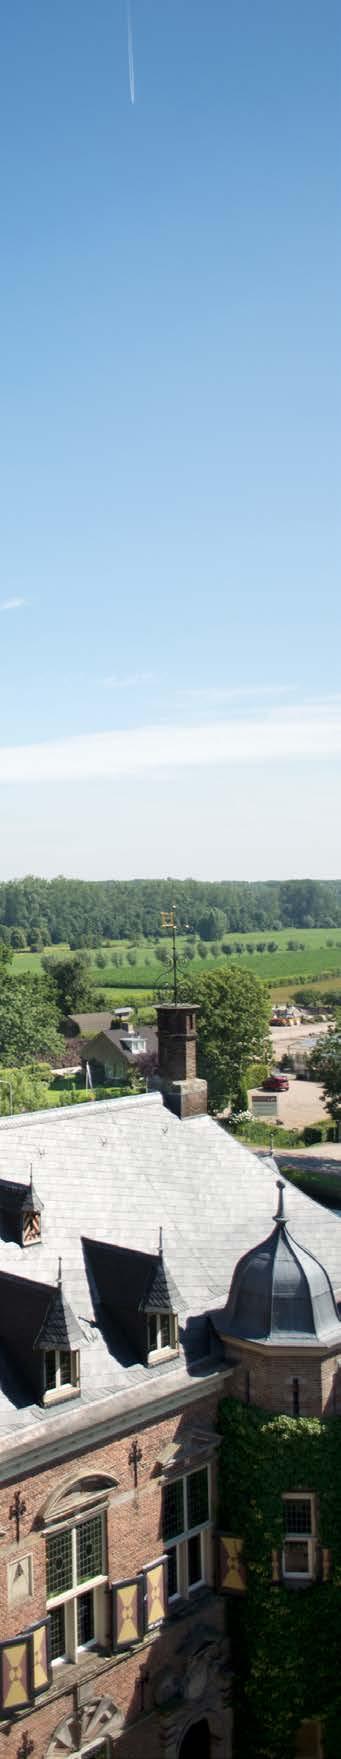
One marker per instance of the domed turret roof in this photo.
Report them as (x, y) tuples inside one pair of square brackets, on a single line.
[(280, 1293)]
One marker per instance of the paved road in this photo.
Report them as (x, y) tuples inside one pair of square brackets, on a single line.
[(314, 1162)]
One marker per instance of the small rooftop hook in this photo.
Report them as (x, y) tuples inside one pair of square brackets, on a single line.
[(280, 1216)]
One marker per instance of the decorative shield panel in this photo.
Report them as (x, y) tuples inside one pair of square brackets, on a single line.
[(127, 1600), (155, 1593), (42, 1670), (16, 1674), (231, 1566)]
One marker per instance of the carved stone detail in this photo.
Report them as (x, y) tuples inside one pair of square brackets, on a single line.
[(198, 1685), (98, 1717)]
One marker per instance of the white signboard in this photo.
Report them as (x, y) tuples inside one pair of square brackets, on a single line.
[(264, 1105)]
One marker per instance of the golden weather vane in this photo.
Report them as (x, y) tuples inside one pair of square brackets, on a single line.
[(168, 920)]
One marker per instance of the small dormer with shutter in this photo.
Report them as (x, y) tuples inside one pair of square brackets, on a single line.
[(43, 1338), (136, 1289), (59, 1341), (20, 1212)]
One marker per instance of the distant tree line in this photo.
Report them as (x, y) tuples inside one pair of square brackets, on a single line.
[(38, 912)]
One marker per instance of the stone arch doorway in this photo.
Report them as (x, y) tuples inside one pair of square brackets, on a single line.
[(196, 1743)]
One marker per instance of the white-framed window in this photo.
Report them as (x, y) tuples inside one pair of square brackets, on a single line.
[(162, 1332), (187, 1532), (299, 1537), (76, 1578), (61, 1374)]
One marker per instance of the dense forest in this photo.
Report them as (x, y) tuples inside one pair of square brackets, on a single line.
[(38, 912)]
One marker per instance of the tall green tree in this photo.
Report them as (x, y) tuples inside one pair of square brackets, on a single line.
[(71, 982), (23, 1090), (28, 1019), (232, 1026), (82, 912), (211, 925), (18, 938), (6, 957), (325, 1066)]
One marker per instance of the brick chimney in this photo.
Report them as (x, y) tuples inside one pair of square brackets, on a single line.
[(183, 1091)]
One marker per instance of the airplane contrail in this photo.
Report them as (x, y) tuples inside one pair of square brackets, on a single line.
[(130, 55)]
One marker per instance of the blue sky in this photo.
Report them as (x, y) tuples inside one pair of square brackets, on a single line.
[(170, 437)]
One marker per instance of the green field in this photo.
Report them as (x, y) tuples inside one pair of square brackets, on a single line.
[(314, 954)]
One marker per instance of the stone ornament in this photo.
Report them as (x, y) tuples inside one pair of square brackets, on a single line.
[(98, 1717)]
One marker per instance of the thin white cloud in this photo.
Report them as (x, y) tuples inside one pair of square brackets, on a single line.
[(236, 692), (12, 604), (133, 679), (133, 751)]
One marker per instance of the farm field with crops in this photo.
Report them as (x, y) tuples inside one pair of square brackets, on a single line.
[(288, 958)]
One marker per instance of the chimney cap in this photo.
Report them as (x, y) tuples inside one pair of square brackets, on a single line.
[(177, 1007)]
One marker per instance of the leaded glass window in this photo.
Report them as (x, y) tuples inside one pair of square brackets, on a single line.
[(76, 1555), (89, 1549), (162, 1332), (173, 1509), (59, 1563), (299, 1544), (186, 1519)]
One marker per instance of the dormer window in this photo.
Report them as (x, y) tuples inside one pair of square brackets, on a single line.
[(162, 1333), (61, 1374), (20, 1212), (31, 1232), (31, 1216), (134, 1043)]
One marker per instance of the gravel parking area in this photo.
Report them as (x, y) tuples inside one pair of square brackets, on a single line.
[(303, 1104), (287, 1038)]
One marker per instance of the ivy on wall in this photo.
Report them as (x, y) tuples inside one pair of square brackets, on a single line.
[(286, 1642)]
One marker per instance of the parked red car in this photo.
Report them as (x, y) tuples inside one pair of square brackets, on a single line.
[(276, 1084)]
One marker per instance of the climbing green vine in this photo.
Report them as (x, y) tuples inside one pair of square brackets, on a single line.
[(286, 1643)]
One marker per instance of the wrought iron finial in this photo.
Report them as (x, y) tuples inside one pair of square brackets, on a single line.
[(59, 1279), (280, 1217), (31, 1176), (160, 1243)]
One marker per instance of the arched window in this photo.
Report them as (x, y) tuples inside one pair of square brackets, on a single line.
[(196, 1743), (74, 1494), (76, 1566)]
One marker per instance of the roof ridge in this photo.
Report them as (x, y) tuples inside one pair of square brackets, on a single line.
[(64, 1114)]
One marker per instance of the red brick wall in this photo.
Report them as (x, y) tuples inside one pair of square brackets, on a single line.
[(271, 1381), (331, 1387), (134, 1538), (121, 1683)]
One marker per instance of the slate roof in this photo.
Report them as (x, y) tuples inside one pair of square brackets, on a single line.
[(113, 1173), (280, 1293), (125, 1279), (117, 1039), (18, 1199), (60, 1330), (92, 1022), (98, 1019)]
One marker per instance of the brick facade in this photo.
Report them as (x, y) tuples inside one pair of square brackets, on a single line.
[(129, 1682), (266, 1378)]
